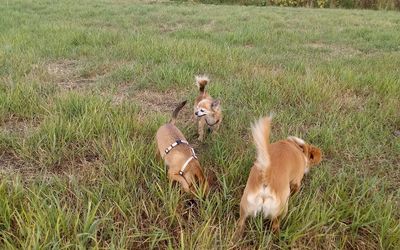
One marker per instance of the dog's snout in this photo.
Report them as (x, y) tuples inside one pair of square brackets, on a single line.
[(196, 113)]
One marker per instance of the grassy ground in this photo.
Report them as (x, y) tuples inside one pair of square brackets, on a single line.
[(84, 86)]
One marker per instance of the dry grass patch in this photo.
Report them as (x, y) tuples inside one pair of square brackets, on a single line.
[(351, 101), (335, 50), (65, 73), (163, 102), (87, 169), (265, 70)]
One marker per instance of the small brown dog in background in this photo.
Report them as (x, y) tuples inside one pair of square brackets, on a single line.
[(206, 109), (279, 167), (178, 155)]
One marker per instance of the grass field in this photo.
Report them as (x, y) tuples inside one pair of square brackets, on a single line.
[(84, 86)]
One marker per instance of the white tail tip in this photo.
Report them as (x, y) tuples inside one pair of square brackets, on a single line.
[(201, 78), (297, 140), (260, 132)]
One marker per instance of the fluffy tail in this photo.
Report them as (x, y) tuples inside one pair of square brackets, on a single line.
[(201, 82), (176, 111), (260, 131)]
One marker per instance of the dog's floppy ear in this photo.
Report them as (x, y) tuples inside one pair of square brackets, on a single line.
[(215, 104), (314, 154)]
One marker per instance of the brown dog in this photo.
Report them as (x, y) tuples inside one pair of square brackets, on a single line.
[(178, 155), (206, 109), (279, 167)]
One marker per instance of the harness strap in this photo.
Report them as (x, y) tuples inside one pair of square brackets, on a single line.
[(185, 165), (175, 144)]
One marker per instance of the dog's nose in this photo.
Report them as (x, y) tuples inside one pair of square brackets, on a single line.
[(196, 113)]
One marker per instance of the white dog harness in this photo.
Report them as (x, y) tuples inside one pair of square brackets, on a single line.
[(175, 144)]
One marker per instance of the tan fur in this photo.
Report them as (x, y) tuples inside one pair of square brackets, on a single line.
[(207, 111), (175, 159), (269, 186)]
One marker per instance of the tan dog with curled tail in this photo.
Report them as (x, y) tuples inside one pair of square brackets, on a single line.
[(278, 170)]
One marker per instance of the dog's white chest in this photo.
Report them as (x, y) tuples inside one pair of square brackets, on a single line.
[(263, 200)]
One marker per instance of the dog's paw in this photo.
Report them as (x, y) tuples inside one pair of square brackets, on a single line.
[(294, 188), (238, 234), (276, 227)]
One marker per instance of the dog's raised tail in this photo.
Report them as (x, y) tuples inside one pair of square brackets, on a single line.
[(176, 111), (260, 131), (201, 82)]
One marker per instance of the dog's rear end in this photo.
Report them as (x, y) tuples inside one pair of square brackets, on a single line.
[(278, 166), (257, 195)]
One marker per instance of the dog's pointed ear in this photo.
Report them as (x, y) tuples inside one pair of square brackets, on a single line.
[(215, 104), (314, 155)]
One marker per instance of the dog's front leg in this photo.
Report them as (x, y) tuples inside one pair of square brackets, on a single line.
[(216, 128), (202, 123), (176, 177), (158, 155)]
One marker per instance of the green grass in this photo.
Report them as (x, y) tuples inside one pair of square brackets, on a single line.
[(84, 85)]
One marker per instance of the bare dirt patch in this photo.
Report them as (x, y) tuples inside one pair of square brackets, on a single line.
[(163, 102), (169, 28), (86, 168), (208, 27), (149, 100), (120, 95), (17, 125), (11, 164), (157, 101)]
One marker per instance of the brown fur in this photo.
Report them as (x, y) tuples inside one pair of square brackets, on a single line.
[(279, 168), (202, 85), (168, 134), (207, 111)]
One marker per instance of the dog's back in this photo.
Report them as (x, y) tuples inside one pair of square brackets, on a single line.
[(166, 135), (287, 163)]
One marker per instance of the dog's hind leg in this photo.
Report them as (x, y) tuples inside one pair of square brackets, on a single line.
[(295, 185), (276, 225), (241, 223)]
